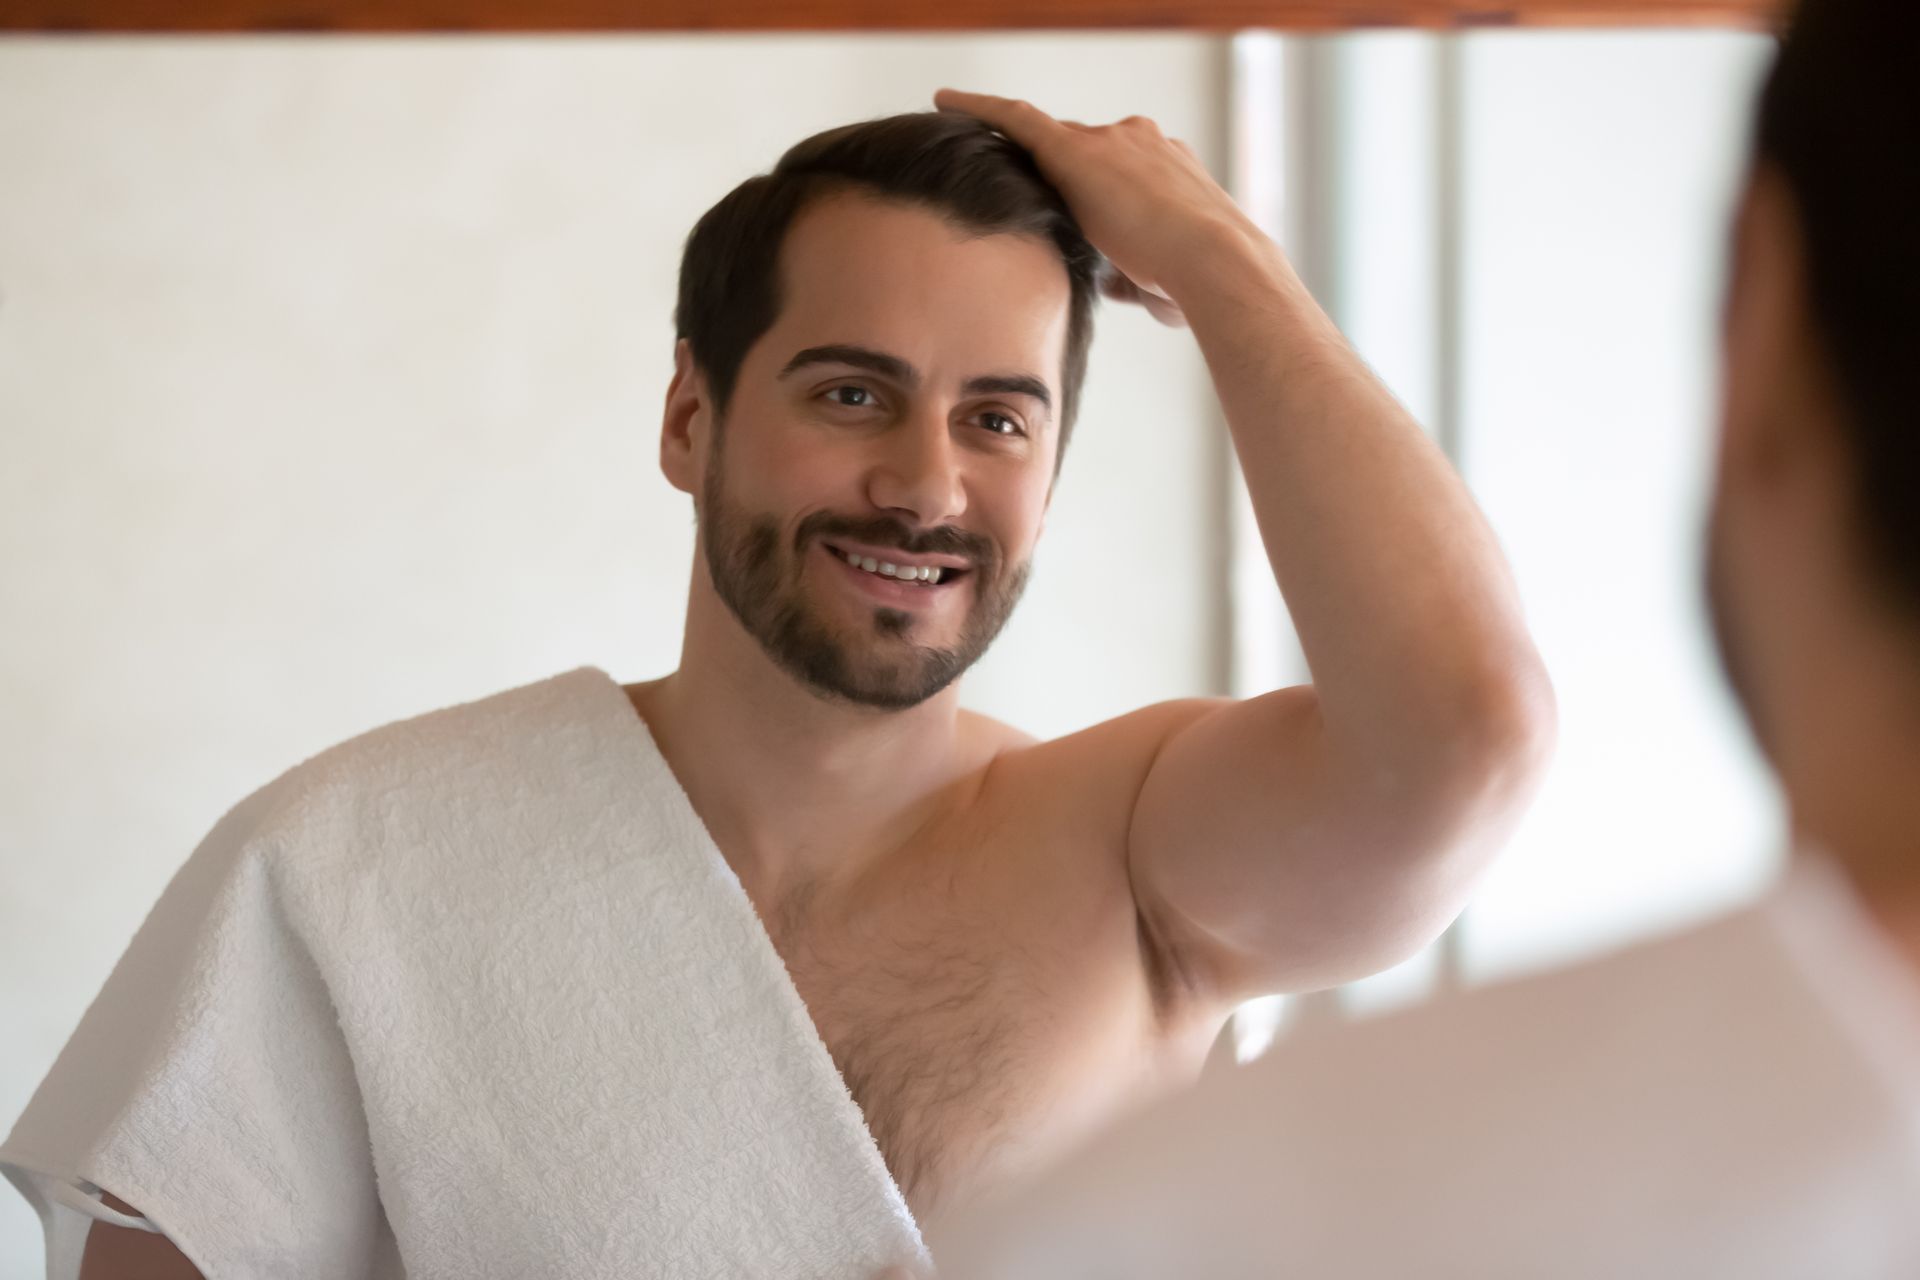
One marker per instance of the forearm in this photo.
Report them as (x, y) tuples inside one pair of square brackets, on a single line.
[(1404, 604)]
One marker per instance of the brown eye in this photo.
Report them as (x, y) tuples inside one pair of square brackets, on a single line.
[(1000, 424), (851, 397)]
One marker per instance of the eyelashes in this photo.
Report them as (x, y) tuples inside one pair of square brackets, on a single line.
[(994, 422), (866, 397)]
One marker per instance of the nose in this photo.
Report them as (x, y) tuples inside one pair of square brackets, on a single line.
[(919, 473)]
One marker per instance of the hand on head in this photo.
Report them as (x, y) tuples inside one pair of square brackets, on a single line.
[(1142, 198)]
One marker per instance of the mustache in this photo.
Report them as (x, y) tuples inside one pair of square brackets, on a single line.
[(888, 531)]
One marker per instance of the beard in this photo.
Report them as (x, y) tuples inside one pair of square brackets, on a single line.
[(758, 574)]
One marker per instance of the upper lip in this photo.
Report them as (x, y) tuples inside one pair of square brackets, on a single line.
[(895, 556)]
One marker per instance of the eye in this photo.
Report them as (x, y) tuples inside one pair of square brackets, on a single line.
[(1001, 425), (851, 397)]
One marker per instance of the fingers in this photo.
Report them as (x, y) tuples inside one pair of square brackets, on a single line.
[(1020, 120), (1028, 125), (1115, 285)]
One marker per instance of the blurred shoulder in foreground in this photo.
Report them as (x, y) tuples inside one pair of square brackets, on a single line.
[(1739, 1099)]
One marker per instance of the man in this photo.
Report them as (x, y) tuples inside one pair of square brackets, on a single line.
[(1742, 1099), (1000, 941)]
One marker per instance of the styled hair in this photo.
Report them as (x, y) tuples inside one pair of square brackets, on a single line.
[(1840, 122), (951, 164)]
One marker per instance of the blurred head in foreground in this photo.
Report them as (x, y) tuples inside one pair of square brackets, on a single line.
[(1814, 543)]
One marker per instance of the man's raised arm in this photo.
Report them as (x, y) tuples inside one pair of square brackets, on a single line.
[(1311, 835)]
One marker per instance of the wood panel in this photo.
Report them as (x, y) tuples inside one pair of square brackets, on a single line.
[(872, 15)]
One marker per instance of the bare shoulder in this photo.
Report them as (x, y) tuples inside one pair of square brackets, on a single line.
[(1122, 740), (1109, 755), (1090, 778), (994, 737)]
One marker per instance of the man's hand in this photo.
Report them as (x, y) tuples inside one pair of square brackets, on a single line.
[(1143, 199)]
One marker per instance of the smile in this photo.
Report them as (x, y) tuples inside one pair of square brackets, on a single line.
[(927, 573), (899, 574)]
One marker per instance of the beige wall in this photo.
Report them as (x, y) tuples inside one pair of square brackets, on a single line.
[(329, 381)]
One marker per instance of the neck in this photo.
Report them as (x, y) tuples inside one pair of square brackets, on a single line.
[(1849, 767), (793, 785), (1878, 850)]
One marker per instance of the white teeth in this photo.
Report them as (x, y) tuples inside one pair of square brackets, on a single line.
[(930, 574)]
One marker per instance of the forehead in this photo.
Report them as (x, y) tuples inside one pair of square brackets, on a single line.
[(902, 279)]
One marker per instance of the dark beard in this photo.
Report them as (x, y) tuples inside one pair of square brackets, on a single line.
[(759, 579)]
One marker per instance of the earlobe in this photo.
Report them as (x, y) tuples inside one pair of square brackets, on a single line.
[(684, 421)]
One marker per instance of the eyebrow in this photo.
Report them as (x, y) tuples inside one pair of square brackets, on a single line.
[(893, 367)]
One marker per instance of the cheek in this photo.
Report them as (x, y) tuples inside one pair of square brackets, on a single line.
[(780, 470), (1015, 518)]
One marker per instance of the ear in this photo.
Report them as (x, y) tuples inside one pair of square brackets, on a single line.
[(1769, 359), (687, 423)]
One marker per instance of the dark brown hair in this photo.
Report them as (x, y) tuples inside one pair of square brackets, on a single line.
[(1840, 121), (951, 164)]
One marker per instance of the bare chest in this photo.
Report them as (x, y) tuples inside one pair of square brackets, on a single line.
[(980, 1022)]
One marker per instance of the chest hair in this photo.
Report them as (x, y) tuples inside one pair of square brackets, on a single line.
[(928, 1021)]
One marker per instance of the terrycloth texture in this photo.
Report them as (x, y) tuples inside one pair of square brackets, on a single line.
[(472, 995)]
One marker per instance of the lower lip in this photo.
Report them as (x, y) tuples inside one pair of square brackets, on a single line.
[(887, 591)]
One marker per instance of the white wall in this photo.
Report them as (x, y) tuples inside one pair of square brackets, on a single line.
[(329, 382)]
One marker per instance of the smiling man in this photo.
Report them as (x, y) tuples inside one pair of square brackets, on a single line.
[(999, 941)]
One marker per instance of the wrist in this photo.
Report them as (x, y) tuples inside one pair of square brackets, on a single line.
[(1234, 262)]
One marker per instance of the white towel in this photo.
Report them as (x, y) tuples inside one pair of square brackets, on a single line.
[(472, 995)]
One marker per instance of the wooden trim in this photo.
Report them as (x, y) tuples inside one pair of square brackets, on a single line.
[(160, 16)]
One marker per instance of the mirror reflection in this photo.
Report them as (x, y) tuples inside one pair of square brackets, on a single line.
[(1018, 610)]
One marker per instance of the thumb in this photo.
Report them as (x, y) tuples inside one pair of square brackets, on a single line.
[(1120, 288)]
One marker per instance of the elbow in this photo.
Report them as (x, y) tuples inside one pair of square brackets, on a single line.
[(1463, 783), (1440, 810), (1474, 734), (1513, 728), (1501, 747)]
